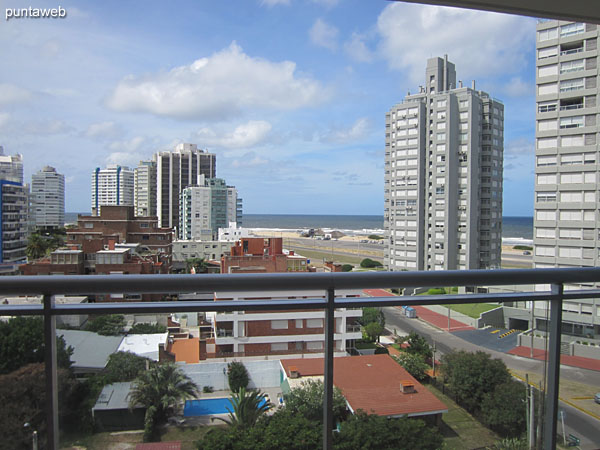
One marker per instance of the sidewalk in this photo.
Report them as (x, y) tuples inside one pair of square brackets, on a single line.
[(575, 361), (424, 313)]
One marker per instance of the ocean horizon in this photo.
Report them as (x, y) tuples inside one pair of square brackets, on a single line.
[(512, 226)]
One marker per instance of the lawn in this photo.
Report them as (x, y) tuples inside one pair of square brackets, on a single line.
[(124, 440), (460, 429), (473, 310)]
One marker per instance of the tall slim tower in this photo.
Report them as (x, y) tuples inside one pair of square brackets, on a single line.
[(443, 176), (567, 178), (144, 184), (112, 186), (48, 198), (175, 171), (14, 205)]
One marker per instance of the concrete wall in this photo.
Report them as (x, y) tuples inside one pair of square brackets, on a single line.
[(587, 351), (494, 318), (263, 374)]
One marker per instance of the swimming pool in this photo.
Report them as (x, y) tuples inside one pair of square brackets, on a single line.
[(208, 406)]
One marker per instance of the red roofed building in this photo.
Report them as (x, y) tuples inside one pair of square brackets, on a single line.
[(258, 255), (375, 384)]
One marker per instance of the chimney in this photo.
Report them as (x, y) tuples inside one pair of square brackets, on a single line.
[(291, 253), (294, 373), (111, 244), (460, 83), (407, 387)]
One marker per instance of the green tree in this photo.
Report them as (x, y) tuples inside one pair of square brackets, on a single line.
[(199, 265), (22, 343), (36, 247), (237, 376), (372, 432), (347, 267), (470, 376), (510, 444), (414, 364), (504, 409), (147, 328), (372, 331), (370, 314), (307, 401), (159, 390), (248, 407), (125, 366), (23, 400), (369, 263), (417, 345), (107, 325)]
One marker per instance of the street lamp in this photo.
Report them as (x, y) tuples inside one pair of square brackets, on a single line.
[(34, 436)]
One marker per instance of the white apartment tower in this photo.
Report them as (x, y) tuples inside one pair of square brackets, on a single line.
[(144, 184), (206, 208), (567, 178), (443, 176), (175, 171), (48, 198), (112, 186), (13, 215)]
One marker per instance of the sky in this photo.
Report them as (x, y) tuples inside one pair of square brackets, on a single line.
[(290, 95)]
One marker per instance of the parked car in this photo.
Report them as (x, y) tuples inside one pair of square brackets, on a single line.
[(597, 397), (527, 252)]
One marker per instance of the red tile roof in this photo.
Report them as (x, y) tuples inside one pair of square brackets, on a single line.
[(372, 383)]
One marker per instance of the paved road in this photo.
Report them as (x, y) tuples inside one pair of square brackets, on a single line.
[(580, 424)]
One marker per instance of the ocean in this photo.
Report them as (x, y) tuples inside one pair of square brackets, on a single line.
[(512, 227)]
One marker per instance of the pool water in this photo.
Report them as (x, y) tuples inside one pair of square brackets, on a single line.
[(208, 406)]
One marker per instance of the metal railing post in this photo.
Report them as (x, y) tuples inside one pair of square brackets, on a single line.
[(51, 373), (328, 370), (553, 375)]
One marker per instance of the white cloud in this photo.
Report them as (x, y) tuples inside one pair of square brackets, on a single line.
[(323, 34), (128, 159), (357, 49), (9, 93), (358, 131), (243, 136), (516, 87), (222, 85), (519, 146), (274, 2), (104, 130), (250, 159), (326, 3), (4, 120), (479, 43), (46, 127), (128, 146)]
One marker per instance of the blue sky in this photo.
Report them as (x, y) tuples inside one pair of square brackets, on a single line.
[(290, 94)]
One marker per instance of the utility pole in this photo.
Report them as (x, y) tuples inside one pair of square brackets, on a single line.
[(433, 360)]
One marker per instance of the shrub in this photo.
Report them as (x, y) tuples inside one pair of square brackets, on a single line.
[(369, 263), (347, 267), (237, 376)]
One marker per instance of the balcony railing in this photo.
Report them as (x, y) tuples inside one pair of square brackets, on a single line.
[(49, 286)]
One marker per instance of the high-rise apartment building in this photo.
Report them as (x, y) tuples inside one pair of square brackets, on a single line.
[(112, 186), (175, 171), (14, 205), (443, 176), (207, 207), (144, 185), (48, 198), (567, 178)]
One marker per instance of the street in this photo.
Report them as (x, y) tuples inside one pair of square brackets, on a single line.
[(576, 422)]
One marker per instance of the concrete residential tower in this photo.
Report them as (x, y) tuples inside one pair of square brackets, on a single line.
[(443, 176), (175, 171), (112, 186), (144, 184), (567, 178), (48, 198)]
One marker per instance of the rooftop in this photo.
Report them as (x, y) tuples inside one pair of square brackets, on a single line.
[(372, 383)]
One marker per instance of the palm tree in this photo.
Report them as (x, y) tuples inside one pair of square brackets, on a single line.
[(248, 407), (159, 389), (36, 247)]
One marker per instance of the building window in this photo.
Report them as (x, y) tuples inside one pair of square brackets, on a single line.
[(314, 323), (279, 324)]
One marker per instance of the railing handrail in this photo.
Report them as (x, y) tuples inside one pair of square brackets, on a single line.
[(105, 284)]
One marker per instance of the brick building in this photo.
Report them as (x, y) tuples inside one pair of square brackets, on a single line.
[(258, 255)]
